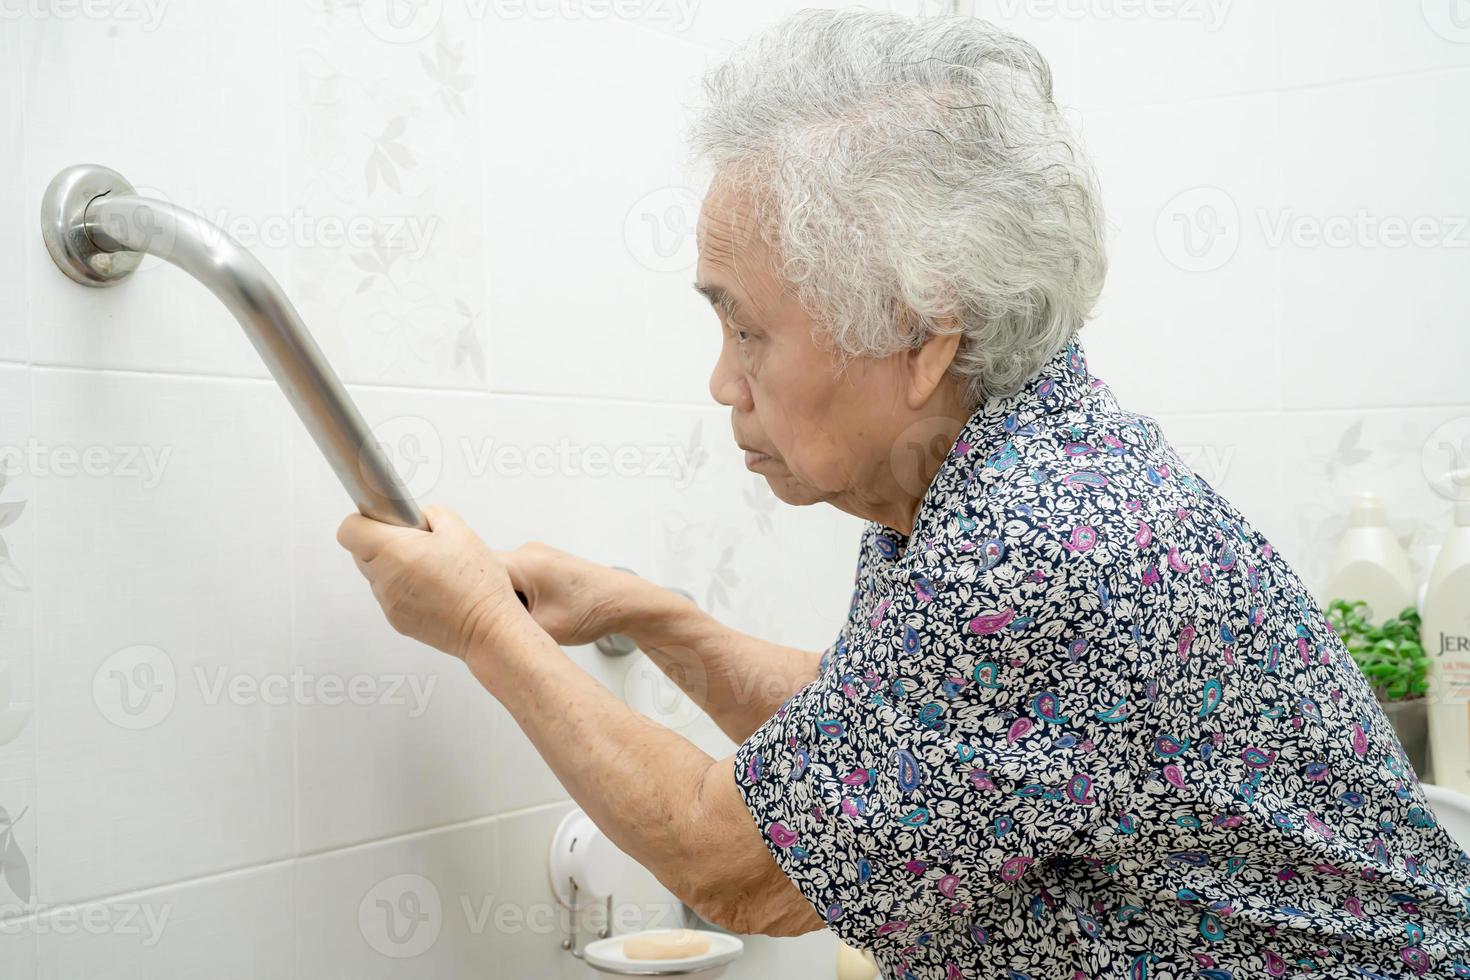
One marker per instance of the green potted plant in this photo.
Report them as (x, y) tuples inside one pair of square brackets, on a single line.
[(1394, 662)]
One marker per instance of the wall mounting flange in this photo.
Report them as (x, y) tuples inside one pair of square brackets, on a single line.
[(64, 226)]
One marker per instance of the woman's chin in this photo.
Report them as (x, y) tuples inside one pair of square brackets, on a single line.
[(787, 489)]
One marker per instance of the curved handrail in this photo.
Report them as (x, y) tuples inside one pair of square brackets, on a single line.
[(96, 229)]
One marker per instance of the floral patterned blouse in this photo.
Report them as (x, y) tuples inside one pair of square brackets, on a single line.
[(1085, 722)]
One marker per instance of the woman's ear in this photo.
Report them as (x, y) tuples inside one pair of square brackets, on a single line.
[(929, 362)]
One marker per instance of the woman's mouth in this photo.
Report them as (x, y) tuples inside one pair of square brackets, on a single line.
[(754, 459)]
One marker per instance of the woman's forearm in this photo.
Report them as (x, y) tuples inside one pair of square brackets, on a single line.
[(639, 782), (737, 679)]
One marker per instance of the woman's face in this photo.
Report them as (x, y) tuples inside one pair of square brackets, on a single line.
[(822, 436)]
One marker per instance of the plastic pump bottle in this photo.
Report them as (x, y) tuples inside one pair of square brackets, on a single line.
[(1370, 565), (1445, 634)]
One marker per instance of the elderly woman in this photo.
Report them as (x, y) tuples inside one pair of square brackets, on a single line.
[(1082, 719)]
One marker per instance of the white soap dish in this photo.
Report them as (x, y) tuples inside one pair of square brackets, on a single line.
[(606, 957)]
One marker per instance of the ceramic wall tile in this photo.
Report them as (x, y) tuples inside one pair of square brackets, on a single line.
[(419, 906), (162, 584), (1192, 285), (1338, 40), (1374, 237), (19, 227), (590, 267), (236, 926), (385, 167), (18, 851), (228, 172)]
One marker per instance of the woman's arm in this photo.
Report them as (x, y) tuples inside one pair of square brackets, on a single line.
[(655, 794), (737, 679), (659, 798)]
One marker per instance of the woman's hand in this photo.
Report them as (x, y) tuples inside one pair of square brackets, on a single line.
[(574, 600), (443, 586)]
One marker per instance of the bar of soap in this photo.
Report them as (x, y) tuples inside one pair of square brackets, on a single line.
[(671, 944)]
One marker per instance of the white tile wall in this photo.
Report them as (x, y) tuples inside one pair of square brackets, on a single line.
[(16, 218), (17, 686), (127, 92), (163, 579), (1336, 40), (1190, 284), (1395, 212), (620, 237), (167, 526), (238, 926), (409, 907)]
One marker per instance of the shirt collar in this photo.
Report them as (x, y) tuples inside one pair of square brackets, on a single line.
[(1063, 383)]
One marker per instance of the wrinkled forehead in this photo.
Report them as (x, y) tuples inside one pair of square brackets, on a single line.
[(737, 269), (729, 222)]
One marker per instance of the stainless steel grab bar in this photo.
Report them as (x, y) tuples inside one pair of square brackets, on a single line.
[(97, 229)]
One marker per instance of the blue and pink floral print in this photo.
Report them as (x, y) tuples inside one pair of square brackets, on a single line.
[(1085, 722)]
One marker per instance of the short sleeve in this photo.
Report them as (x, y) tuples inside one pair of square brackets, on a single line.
[(973, 719)]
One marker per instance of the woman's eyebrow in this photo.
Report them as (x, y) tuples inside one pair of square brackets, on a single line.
[(721, 297)]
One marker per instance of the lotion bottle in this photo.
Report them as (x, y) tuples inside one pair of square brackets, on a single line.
[(1370, 565), (1445, 634)]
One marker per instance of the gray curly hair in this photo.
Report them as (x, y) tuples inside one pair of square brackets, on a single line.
[(914, 177)]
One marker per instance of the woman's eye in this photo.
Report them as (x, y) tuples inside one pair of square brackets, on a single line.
[(742, 335)]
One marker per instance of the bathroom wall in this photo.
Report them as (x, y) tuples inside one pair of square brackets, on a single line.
[(215, 756), (1289, 238)]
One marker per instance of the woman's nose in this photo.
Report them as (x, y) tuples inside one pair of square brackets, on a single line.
[(727, 386)]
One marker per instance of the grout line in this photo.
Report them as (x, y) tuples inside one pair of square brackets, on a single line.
[(614, 400), (1267, 412), (368, 386), (435, 829), (1247, 93), (284, 65), (707, 47), (291, 861)]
